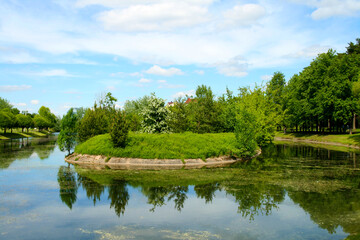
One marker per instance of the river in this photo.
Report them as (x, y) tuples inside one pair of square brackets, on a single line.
[(291, 191)]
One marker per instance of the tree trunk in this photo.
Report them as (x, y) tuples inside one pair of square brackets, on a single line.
[(4, 130), (354, 121)]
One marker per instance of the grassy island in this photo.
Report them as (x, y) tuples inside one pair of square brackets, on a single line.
[(163, 146)]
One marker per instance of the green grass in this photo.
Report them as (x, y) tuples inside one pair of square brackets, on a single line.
[(18, 134), (353, 139), (164, 146)]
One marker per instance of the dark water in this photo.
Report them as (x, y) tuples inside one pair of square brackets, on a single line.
[(290, 192)]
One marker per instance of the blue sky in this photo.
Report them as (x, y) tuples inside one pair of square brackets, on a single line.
[(66, 53)]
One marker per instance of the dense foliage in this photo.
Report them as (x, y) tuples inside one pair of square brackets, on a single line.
[(10, 118), (154, 116), (68, 133), (119, 129)]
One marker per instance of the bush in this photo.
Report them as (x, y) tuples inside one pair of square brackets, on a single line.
[(94, 122), (119, 130), (245, 132), (154, 116)]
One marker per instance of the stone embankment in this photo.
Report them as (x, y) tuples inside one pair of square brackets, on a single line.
[(101, 162)]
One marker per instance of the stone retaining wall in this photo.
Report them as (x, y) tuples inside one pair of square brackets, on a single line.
[(101, 162)]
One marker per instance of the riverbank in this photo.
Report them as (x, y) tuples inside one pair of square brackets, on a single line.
[(103, 162), (18, 134), (342, 140)]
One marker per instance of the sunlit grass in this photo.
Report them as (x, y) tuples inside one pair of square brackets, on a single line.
[(164, 146), (347, 139), (17, 133)]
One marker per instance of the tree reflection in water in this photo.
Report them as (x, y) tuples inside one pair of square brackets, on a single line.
[(256, 199), (119, 196), (93, 189), (68, 185), (11, 150), (207, 191)]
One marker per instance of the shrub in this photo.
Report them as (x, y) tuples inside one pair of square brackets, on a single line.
[(154, 116), (94, 122), (119, 130), (245, 132)]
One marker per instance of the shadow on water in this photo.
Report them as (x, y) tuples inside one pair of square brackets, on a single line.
[(24, 148)]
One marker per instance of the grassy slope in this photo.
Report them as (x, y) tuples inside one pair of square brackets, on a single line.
[(162, 146), (347, 139), (18, 134)]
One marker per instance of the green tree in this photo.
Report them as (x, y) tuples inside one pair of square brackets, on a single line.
[(353, 48), (8, 120), (4, 103), (94, 122), (29, 122), (119, 129), (68, 133), (154, 116), (41, 122), (245, 131), (205, 111), (255, 106), (107, 101), (275, 94), (178, 120), (227, 111), (5, 120), (21, 120), (48, 115), (133, 110)]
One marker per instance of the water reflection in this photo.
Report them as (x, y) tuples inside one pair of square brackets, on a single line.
[(24, 148), (322, 182), (67, 185), (290, 192)]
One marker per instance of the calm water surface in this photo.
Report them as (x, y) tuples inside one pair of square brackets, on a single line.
[(290, 192)]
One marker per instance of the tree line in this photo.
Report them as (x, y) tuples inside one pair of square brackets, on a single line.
[(11, 118), (323, 97)]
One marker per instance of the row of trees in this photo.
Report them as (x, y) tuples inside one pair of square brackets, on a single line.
[(323, 97), (11, 118)]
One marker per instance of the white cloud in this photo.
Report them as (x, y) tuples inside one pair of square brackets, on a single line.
[(144, 80), (154, 17), (266, 77), (110, 88), (157, 70), (126, 3), (309, 52), (54, 73), (124, 74), (331, 8), (19, 104), (34, 102), (16, 56), (235, 67), (184, 94), (165, 84), (242, 15), (200, 72), (13, 88)]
